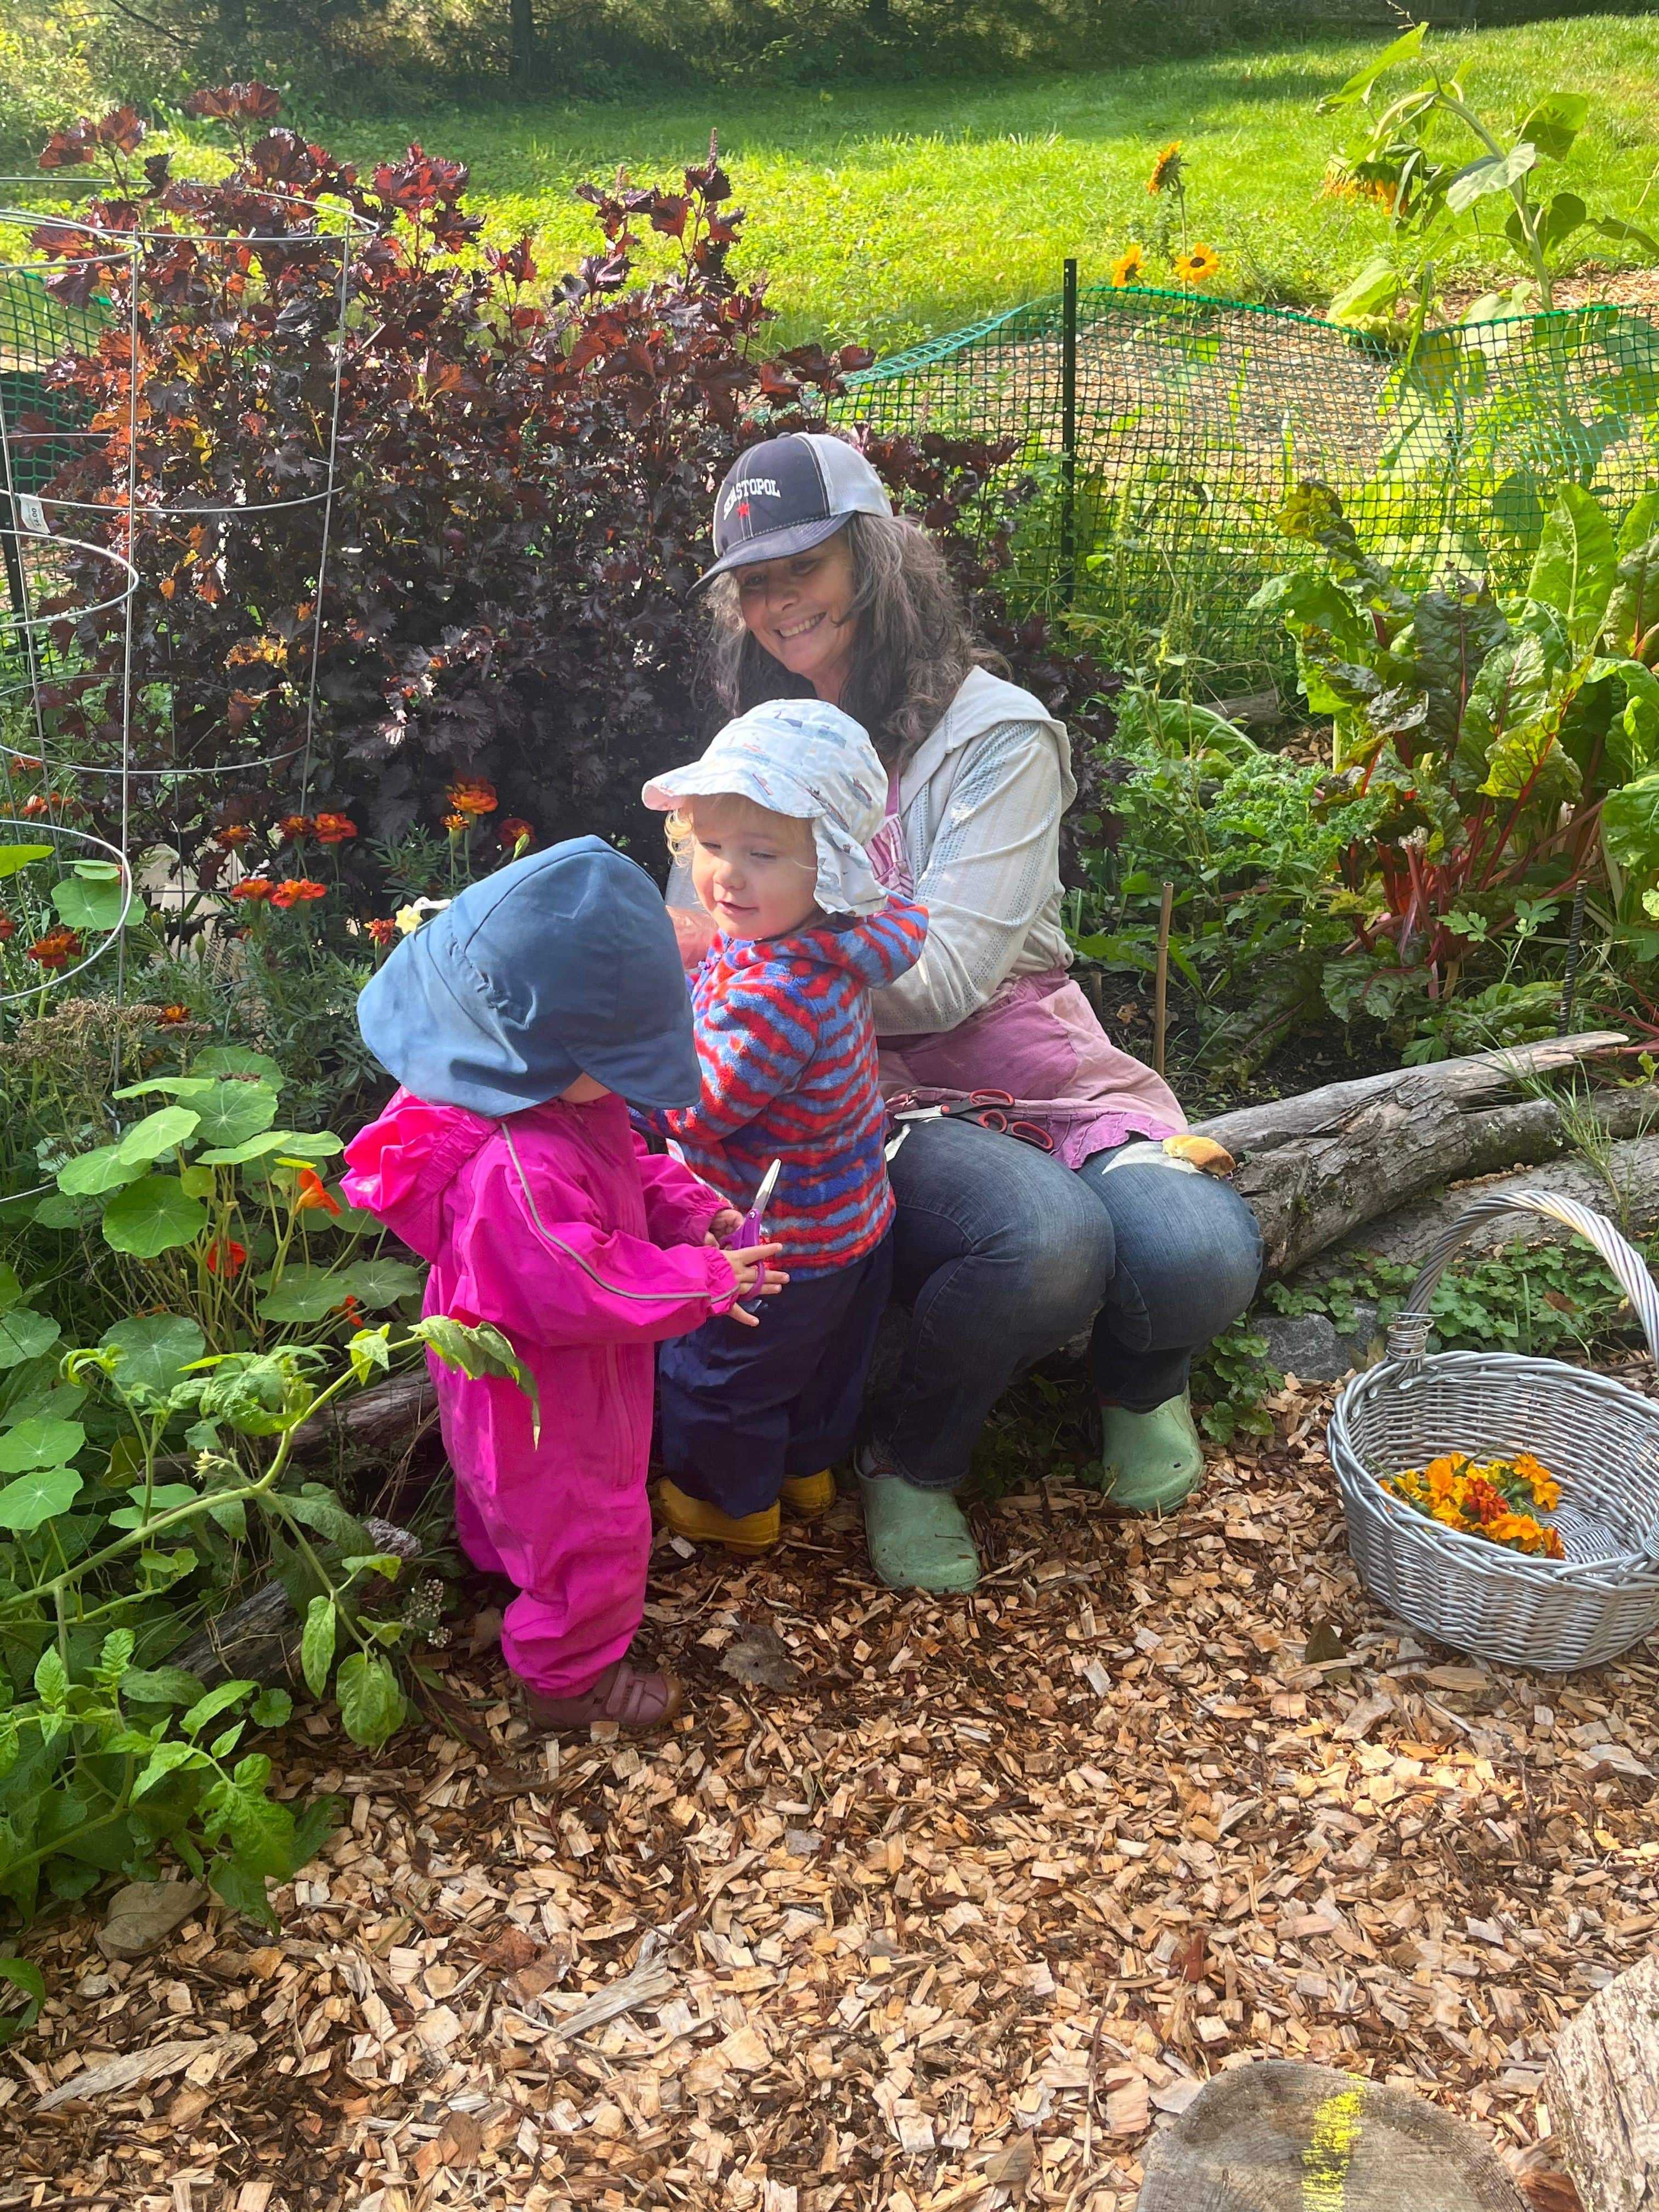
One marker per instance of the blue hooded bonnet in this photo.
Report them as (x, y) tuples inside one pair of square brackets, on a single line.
[(563, 963)]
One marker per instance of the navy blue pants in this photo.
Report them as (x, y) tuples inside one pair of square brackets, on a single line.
[(745, 1409)]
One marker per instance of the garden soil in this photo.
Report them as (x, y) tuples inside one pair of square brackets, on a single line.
[(926, 1905)]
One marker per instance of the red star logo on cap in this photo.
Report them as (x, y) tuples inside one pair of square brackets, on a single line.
[(743, 512)]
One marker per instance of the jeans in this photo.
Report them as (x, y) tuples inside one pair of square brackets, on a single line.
[(1003, 1254)]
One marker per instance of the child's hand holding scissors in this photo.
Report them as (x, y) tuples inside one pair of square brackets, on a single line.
[(724, 1226), (756, 1269)]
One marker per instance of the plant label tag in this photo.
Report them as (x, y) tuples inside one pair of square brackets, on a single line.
[(31, 514)]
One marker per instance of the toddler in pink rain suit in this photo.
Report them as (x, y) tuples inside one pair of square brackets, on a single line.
[(522, 1021)]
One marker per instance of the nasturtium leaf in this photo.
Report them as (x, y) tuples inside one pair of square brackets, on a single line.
[(39, 1442), (371, 1704), (306, 1294), (196, 1182), (24, 1335), (90, 1173), (14, 857), (40, 1496), (151, 1216), (96, 908), (231, 1112), (167, 1086), (239, 1060), (58, 1211), (158, 1133), (381, 1282), (271, 1709), (11, 1289), (57, 1400), (319, 1147), (155, 1349)]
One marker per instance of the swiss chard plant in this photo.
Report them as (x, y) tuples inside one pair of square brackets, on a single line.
[(1511, 749)]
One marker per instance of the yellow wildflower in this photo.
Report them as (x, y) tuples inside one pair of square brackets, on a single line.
[(1129, 268)]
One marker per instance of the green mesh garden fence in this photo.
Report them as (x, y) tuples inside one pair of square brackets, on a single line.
[(1163, 431), (34, 328)]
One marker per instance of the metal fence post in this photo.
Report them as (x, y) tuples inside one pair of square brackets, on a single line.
[(1068, 435)]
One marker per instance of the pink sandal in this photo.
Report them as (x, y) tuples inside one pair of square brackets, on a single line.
[(622, 1694)]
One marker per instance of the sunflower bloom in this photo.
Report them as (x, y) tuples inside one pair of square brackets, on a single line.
[(1197, 266), (1129, 268), (1166, 170)]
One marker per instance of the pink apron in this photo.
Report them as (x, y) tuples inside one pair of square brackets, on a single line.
[(1037, 1038)]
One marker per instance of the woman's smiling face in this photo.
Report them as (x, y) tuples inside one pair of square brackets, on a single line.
[(797, 608)]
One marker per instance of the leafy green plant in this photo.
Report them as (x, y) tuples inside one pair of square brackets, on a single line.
[(1439, 166), (1252, 848), (140, 1471), (198, 1202), (1511, 750), (1232, 1381)]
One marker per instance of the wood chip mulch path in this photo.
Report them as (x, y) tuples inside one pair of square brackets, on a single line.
[(926, 1905)]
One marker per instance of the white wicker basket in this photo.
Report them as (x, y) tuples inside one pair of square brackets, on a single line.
[(1602, 1439)]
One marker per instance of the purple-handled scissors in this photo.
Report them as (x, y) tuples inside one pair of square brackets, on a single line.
[(752, 1230)]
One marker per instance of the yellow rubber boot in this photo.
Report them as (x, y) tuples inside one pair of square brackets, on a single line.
[(701, 1523), (806, 1496)]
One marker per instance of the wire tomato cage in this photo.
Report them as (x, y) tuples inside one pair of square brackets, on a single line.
[(130, 493)]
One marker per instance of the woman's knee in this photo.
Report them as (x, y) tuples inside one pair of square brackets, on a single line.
[(1188, 1258)]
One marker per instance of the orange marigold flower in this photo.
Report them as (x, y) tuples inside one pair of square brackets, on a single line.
[(381, 928), (335, 829), (294, 889), (472, 794), (31, 763), (7, 927), (1166, 170), (294, 827), (1194, 267), (456, 824), (516, 833), (39, 803), (56, 949), (312, 1195), (232, 835), (228, 1259), (1129, 268), (173, 1016), (255, 889)]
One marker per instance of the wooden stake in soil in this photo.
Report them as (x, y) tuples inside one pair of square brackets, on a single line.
[(1161, 1002)]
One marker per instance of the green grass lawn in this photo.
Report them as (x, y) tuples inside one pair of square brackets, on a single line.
[(889, 215)]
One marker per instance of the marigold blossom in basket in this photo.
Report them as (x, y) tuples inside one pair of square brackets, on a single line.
[(1489, 1498)]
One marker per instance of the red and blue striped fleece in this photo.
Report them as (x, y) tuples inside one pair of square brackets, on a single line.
[(788, 1053)]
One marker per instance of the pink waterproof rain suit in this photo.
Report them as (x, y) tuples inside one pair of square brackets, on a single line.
[(567, 1519)]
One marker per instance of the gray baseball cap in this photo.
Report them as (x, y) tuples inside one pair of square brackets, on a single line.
[(787, 496)]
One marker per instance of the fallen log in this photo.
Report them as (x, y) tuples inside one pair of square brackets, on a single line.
[(1315, 1166), (1601, 2087), (1623, 1183), (258, 1640)]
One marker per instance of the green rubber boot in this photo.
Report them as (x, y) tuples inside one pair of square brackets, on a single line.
[(1150, 1461), (917, 1538)]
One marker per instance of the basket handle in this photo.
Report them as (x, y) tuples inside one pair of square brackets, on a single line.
[(1408, 1331)]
